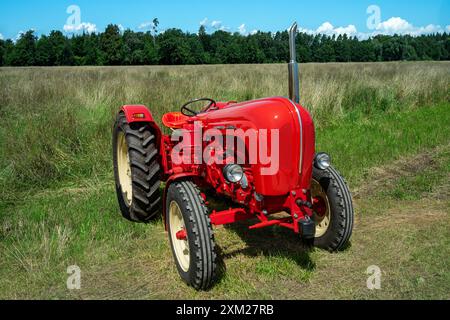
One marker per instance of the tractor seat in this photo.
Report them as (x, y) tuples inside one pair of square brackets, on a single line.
[(174, 120)]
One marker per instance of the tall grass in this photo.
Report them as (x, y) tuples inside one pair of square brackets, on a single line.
[(56, 122)]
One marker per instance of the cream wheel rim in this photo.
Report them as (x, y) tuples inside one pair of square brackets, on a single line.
[(180, 246), (124, 168), (322, 222)]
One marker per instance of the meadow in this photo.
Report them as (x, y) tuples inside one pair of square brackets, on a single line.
[(386, 126)]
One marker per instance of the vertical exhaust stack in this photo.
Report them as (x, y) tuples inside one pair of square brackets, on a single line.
[(294, 89)]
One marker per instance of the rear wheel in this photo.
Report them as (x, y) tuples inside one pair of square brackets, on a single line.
[(191, 235), (136, 170), (333, 209)]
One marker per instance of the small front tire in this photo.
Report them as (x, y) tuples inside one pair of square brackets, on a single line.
[(191, 235), (333, 209)]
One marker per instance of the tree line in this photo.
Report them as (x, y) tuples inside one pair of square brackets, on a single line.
[(175, 47)]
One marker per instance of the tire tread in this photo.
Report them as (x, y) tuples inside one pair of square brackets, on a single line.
[(145, 169)]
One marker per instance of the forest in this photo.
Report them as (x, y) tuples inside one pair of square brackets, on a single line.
[(175, 47)]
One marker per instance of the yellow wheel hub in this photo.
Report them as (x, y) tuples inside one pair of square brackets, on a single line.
[(124, 168), (180, 244), (322, 219)]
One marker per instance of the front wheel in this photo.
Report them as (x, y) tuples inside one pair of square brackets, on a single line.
[(191, 235), (333, 209)]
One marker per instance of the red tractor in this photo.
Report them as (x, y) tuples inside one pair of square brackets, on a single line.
[(259, 154)]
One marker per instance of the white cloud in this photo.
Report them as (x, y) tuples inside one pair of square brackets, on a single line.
[(431, 28), (349, 30), (242, 29), (1, 37), (328, 29), (19, 34), (121, 28), (146, 25), (394, 25), (216, 24), (397, 25), (150, 26), (84, 26)]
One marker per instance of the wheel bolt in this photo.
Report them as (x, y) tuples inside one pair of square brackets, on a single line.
[(181, 235)]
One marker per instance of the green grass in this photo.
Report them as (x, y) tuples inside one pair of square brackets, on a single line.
[(50, 230), (357, 145), (58, 205)]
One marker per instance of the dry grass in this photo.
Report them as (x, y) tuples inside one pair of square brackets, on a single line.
[(328, 90), (56, 121)]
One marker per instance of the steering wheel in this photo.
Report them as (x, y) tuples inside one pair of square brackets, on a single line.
[(191, 113)]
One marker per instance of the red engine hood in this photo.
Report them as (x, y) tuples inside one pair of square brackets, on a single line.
[(296, 140)]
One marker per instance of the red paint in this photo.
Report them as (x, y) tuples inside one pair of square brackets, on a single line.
[(174, 120), (266, 194), (181, 235), (319, 206), (172, 178), (131, 110), (229, 216), (265, 224), (273, 113)]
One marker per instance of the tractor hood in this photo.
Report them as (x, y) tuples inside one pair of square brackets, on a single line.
[(273, 175)]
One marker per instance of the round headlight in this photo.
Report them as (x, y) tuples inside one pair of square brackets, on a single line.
[(322, 161), (233, 173)]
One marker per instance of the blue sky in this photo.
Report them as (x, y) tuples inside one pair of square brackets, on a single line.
[(325, 16)]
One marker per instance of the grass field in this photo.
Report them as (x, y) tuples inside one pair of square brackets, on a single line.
[(386, 125)]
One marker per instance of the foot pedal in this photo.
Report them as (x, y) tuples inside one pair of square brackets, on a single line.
[(307, 228)]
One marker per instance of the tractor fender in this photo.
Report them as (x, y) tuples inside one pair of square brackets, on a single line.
[(141, 114), (173, 178), (137, 113)]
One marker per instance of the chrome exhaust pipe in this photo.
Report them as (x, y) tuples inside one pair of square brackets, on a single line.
[(294, 88)]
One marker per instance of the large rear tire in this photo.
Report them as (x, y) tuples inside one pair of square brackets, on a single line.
[(333, 209), (191, 235), (136, 170)]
